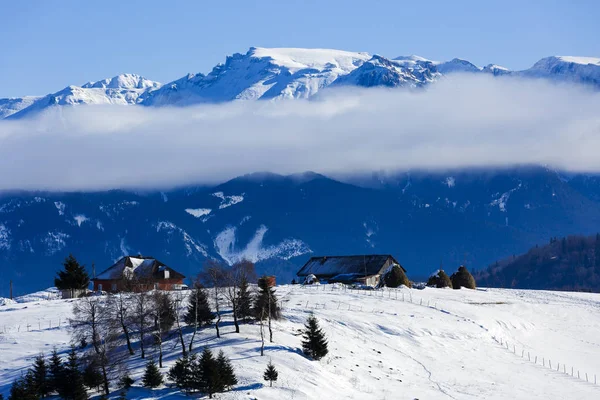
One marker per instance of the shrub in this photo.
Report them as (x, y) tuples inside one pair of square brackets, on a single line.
[(440, 280), (462, 278)]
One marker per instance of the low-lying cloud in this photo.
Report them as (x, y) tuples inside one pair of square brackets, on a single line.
[(455, 123)]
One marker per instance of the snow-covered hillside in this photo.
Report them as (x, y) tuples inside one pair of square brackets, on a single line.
[(392, 344)]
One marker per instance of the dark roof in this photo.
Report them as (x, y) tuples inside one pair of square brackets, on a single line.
[(330, 266), (139, 267)]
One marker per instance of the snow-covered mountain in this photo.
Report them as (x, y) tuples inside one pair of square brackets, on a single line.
[(122, 89), (290, 73), (260, 74), (584, 70), (13, 105)]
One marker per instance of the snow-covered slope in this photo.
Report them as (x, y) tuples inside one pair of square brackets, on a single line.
[(260, 74), (390, 344), (585, 70), (380, 71), (15, 104), (457, 65), (122, 89)]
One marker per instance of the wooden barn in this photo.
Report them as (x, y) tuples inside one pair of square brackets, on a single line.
[(365, 269), (138, 274)]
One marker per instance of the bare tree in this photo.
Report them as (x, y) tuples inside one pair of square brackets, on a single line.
[(142, 306), (214, 276), (93, 324), (121, 307), (233, 279), (178, 301)]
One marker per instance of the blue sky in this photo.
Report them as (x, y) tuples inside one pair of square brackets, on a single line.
[(48, 45)]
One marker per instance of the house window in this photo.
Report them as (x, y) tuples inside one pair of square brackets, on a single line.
[(113, 287), (99, 287), (167, 275), (156, 286)]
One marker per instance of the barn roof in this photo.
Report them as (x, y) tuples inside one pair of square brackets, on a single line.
[(329, 266), (138, 267)]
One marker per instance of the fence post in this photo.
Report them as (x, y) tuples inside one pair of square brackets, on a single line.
[(578, 375), (544, 361), (571, 371), (550, 363), (586, 378), (528, 356), (536, 359), (514, 349)]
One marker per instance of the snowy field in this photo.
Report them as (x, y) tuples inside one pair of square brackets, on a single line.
[(436, 344)]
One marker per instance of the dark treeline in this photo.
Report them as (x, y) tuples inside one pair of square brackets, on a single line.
[(569, 263)]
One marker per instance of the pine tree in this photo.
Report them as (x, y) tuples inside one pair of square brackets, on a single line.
[(265, 302), (24, 388), (314, 344), (40, 376), (206, 374), (56, 372), (198, 303), (181, 372), (125, 381), (152, 377), (271, 373), (92, 377), (74, 388), (74, 275), (244, 301), (226, 372)]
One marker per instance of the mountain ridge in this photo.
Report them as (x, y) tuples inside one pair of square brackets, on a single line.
[(290, 73)]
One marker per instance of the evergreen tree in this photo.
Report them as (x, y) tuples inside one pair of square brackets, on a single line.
[(92, 377), (152, 377), (226, 372), (244, 301), (198, 309), (396, 277), (265, 302), (181, 372), (56, 372), (206, 374), (74, 275), (271, 373), (74, 388), (24, 388), (314, 344), (125, 381), (40, 376)]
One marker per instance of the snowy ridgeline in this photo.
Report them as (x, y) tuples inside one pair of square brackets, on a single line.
[(392, 344)]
